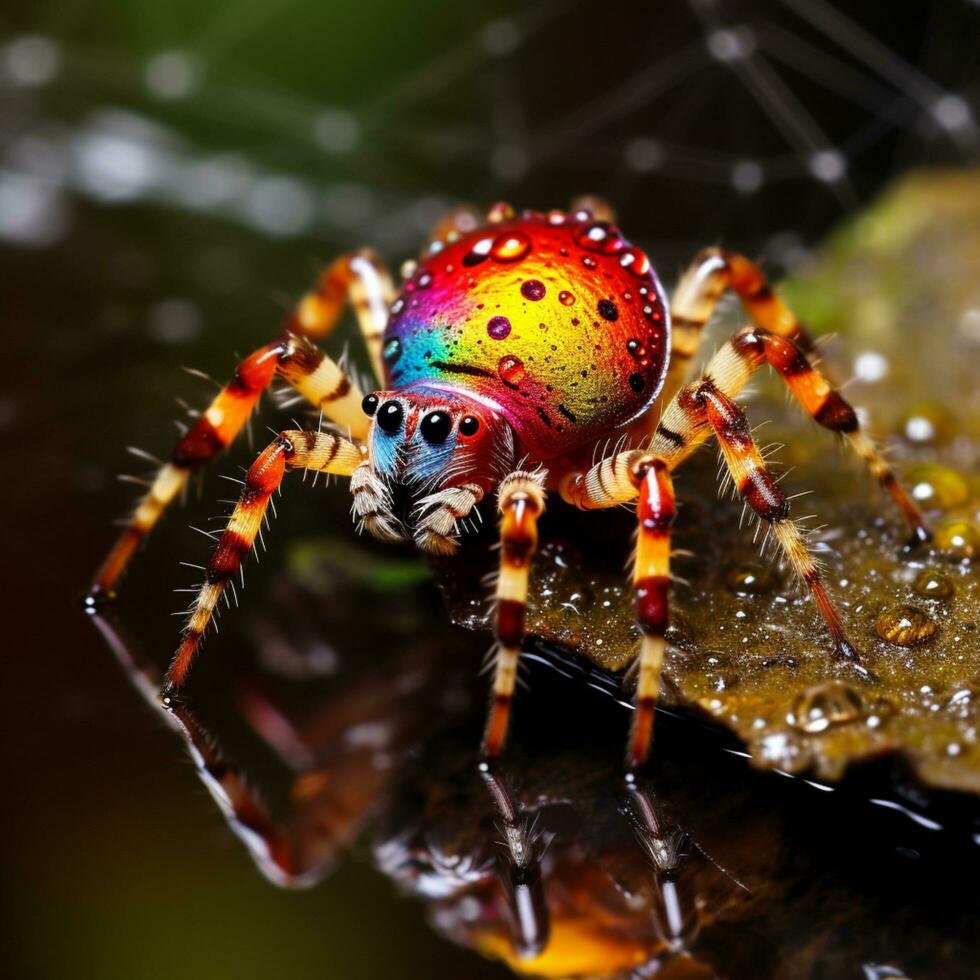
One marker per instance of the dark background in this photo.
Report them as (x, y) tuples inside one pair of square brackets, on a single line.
[(170, 175)]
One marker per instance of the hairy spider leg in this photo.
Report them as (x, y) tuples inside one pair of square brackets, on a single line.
[(521, 502), (827, 407), (438, 514), (760, 490), (360, 277), (783, 342), (655, 510), (295, 359), (521, 879), (677, 917), (706, 279), (323, 452)]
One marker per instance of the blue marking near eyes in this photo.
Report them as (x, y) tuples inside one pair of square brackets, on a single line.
[(384, 449), (425, 460)]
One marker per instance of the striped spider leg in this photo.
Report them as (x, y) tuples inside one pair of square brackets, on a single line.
[(520, 874), (359, 277), (783, 341), (322, 452), (706, 408), (520, 500)]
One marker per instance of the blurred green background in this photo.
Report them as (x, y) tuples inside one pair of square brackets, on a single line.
[(171, 173)]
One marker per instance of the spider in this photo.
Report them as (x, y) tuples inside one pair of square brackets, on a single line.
[(520, 347)]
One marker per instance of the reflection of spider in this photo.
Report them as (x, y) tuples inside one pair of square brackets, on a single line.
[(517, 352)]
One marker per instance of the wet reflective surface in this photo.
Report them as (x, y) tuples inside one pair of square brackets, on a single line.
[(557, 865)]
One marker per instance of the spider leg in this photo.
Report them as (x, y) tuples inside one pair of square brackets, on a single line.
[(615, 480), (682, 428), (521, 860), (655, 510), (438, 514), (317, 377), (710, 274), (322, 452), (360, 277), (521, 502), (826, 406), (680, 431), (762, 493)]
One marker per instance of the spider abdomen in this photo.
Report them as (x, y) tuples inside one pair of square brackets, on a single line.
[(556, 321)]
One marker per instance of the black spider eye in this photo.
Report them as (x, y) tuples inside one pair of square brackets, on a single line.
[(436, 427), (370, 404), (469, 425), (390, 417)]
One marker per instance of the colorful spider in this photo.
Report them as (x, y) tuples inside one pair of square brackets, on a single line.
[(518, 349)]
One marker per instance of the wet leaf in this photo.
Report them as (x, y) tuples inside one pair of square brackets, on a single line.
[(748, 649)]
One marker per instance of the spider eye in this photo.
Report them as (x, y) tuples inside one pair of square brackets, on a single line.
[(390, 417), (436, 427), (370, 404), (469, 425)]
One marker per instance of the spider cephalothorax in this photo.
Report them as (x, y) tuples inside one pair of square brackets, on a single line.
[(526, 356), (433, 456)]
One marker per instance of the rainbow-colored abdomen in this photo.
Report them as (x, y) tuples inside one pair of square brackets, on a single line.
[(556, 321)]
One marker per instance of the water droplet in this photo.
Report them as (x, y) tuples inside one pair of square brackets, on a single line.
[(825, 706), (784, 749), (933, 585), (929, 423), (397, 306), (635, 262), (637, 349), (959, 537), (425, 280), (498, 327), (510, 369), (750, 579), (937, 486), (392, 350), (637, 382), (589, 262), (566, 298), (479, 252), (533, 290), (904, 625), (511, 246), (880, 710), (600, 236)]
